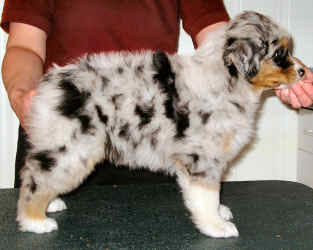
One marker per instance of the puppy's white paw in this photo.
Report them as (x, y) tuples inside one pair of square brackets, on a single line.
[(46, 225), (225, 212), (219, 229), (56, 205)]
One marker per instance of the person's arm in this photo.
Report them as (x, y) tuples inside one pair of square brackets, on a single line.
[(23, 66), (200, 37)]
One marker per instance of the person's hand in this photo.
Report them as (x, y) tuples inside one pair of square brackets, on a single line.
[(23, 66), (299, 94), (21, 103), (205, 32)]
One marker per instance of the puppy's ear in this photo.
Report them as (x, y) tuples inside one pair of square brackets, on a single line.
[(242, 54)]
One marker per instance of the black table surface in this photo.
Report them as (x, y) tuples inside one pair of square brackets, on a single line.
[(268, 214)]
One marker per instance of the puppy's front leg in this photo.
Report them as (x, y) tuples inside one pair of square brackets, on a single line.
[(56, 205), (203, 201)]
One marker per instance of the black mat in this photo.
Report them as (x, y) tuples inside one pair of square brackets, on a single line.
[(268, 214)]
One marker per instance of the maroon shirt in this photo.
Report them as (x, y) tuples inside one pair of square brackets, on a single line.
[(76, 27)]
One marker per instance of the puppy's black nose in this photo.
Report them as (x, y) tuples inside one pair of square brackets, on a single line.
[(301, 72)]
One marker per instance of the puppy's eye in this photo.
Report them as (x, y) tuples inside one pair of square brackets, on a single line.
[(280, 58), (280, 53)]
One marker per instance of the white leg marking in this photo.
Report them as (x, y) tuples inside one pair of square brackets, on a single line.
[(56, 205), (38, 226), (204, 204), (225, 212)]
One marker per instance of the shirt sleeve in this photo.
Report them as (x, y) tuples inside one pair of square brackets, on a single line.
[(38, 13), (197, 14)]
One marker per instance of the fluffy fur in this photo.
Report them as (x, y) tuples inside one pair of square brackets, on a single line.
[(185, 115)]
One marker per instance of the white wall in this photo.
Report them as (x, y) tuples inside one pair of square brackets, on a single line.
[(8, 129), (274, 153)]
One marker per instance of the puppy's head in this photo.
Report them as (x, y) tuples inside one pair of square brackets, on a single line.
[(259, 50)]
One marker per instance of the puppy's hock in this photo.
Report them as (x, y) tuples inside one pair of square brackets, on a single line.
[(188, 116)]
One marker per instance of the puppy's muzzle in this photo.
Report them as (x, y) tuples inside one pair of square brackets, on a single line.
[(299, 68), (300, 73)]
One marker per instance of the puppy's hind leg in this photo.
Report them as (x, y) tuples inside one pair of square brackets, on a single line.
[(41, 184), (203, 201), (32, 205)]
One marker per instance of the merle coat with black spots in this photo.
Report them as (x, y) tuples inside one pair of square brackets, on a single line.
[(184, 115)]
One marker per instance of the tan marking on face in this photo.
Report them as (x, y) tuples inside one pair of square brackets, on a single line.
[(271, 76), (285, 42)]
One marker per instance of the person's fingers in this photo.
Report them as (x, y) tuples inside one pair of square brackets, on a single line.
[(28, 100), (308, 88), (278, 93), (21, 104), (27, 108), (284, 95), (308, 75), (294, 101), (302, 96)]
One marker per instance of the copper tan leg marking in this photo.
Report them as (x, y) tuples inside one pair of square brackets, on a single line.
[(36, 209), (227, 143), (32, 213)]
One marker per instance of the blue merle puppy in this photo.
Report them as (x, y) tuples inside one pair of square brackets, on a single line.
[(185, 115)]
